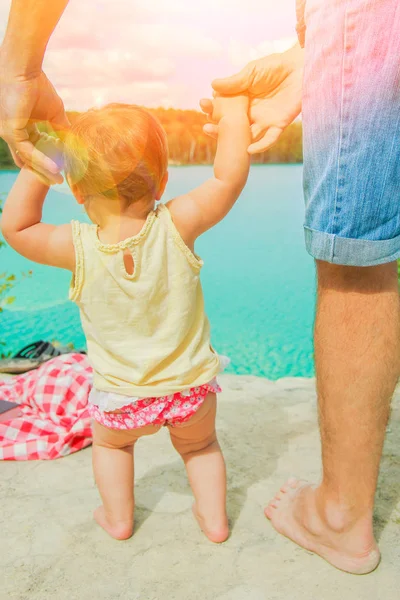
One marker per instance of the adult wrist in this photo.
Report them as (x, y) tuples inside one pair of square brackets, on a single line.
[(294, 57), (20, 65)]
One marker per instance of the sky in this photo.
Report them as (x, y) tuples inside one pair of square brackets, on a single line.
[(158, 52)]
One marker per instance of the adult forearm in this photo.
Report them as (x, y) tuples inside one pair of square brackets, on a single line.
[(295, 56), (30, 25)]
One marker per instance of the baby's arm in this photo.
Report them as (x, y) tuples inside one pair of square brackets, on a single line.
[(205, 206), (22, 228)]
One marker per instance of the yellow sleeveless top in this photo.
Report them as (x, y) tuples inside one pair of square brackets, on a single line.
[(147, 333)]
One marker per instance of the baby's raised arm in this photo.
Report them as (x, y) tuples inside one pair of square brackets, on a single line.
[(22, 227), (205, 206)]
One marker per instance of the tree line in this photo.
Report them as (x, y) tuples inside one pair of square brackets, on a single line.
[(188, 145)]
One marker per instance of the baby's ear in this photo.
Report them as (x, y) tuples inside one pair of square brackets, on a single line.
[(162, 186), (74, 190), (79, 198)]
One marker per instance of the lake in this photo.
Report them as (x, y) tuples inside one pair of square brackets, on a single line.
[(259, 282)]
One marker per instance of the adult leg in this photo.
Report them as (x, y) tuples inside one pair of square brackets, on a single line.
[(352, 185), (196, 441), (357, 352), (113, 468)]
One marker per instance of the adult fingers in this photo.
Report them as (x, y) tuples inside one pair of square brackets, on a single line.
[(38, 162), (236, 84), (42, 177), (52, 147), (45, 179), (60, 123), (206, 106), (56, 115), (48, 178), (211, 130), (16, 158), (267, 140), (25, 144), (257, 131)]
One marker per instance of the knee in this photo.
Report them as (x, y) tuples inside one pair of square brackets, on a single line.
[(111, 439), (111, 444), (357, 279)]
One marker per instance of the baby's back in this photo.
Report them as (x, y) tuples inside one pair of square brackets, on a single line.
[(146, 330)]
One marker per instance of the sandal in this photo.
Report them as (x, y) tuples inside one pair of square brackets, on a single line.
[(29, 358)]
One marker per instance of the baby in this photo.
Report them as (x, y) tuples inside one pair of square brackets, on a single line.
[(136, 280)]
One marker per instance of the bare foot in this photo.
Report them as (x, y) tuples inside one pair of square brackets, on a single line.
[(293, 513), (215, 534), (119, 531)]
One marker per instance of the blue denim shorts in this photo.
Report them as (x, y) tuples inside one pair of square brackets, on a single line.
[(351, 120)]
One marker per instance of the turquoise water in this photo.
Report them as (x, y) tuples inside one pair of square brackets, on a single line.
[(258, 279)]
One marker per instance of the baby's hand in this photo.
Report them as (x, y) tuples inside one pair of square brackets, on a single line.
[(51, 147), (224, 106)]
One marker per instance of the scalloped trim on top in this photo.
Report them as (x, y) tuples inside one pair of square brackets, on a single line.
[(124, 244), (195, 261), (76, 285)]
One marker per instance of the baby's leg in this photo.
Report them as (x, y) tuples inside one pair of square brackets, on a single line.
[(113, 472), (196, 441)]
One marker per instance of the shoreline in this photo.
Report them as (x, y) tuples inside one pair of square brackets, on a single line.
[(288, 383), (172, 163)]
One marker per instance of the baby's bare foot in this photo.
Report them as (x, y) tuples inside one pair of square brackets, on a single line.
[(217, 533), (293, 513), (119, 531)]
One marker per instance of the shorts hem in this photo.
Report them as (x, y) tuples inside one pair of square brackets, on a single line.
[(350, 252), (173, 410)]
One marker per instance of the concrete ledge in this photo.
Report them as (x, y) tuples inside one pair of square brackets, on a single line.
[(52, 549)]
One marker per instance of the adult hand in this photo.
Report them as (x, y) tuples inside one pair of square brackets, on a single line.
[(274, 85), (25, 101)]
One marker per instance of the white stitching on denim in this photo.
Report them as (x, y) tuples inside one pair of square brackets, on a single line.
[(332, 253), (392, 148), (341, 123)]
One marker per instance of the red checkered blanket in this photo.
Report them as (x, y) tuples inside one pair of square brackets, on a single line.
[(53, 400)]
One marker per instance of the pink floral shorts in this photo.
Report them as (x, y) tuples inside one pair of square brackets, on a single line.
[(166, 410)]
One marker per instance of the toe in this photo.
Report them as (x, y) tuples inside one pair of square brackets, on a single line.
[(269, 511), (289, 485), (292, 483)]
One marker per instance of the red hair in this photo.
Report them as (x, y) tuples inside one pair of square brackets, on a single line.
[(119, 151)]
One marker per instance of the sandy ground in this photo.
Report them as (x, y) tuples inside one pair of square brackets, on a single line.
[(51, 548)]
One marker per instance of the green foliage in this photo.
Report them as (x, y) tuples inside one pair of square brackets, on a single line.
[(7, 282), (188, 145), (288, 149), (6, 161)]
